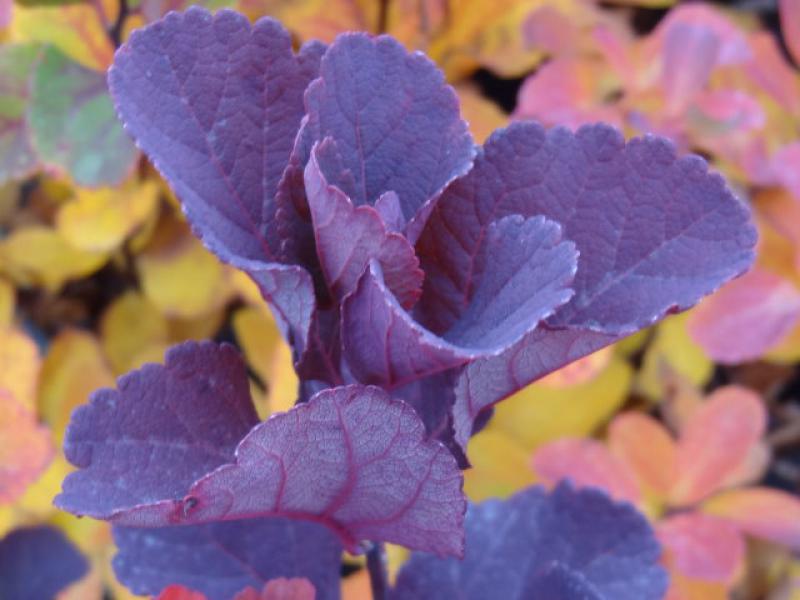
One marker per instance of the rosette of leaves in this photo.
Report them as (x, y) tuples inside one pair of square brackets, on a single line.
[(418, 278)]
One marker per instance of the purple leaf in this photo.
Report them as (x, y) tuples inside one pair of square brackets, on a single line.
[(216, 103), (655, 234), (347, 237), (140, 447), (565, 545), (350, 458), (160, 451), (38, 562), (221, 559), (522, 274), (395, 122)]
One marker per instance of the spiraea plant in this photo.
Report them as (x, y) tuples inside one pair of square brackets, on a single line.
[(419, 280)]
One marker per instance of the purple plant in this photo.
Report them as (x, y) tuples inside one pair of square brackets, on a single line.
[(419, 280)]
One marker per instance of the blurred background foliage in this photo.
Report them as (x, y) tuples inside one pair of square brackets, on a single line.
[(696, 421)]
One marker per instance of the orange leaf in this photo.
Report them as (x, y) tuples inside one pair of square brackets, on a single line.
[(762, 512), (718, 439), (356, 586), (646, 448), (25, 449), (586, 463), (699, 546)]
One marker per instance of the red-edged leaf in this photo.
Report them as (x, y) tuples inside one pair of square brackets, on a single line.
[(348, 237), (281, 589), (647, 448)]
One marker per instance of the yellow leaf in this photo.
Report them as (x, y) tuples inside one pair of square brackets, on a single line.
[(36, 504), (39, 256), (674, 349), (480, 33), (78, 30), (500, 466), (19, 366), (7, 301), (130, 329), (198, 328), (73, 368), (269, 356), (483, 115), (101, 219), (179, 276), (317, 19), (539, 413)]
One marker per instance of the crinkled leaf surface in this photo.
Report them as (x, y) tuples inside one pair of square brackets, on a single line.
[(215, 103), (565, 545), (135, 462), (655, 233), (350, 458), (343, 257), (37, 562), (394, 120), (73, 123), (222, 559), (17, 156), (522, 274)]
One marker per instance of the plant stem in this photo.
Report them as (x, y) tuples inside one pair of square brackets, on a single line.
[(115, 33), (383, 16), (376, 565)]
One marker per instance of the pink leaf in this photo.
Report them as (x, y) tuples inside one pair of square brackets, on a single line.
[(586, 463), (746, 317), (716, 441), (702, 547)]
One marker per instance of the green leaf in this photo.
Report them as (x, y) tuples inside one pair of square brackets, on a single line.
[(17, 156), (74, 125)]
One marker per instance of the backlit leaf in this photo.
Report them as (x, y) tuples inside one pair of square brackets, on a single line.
[(393, 484)]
